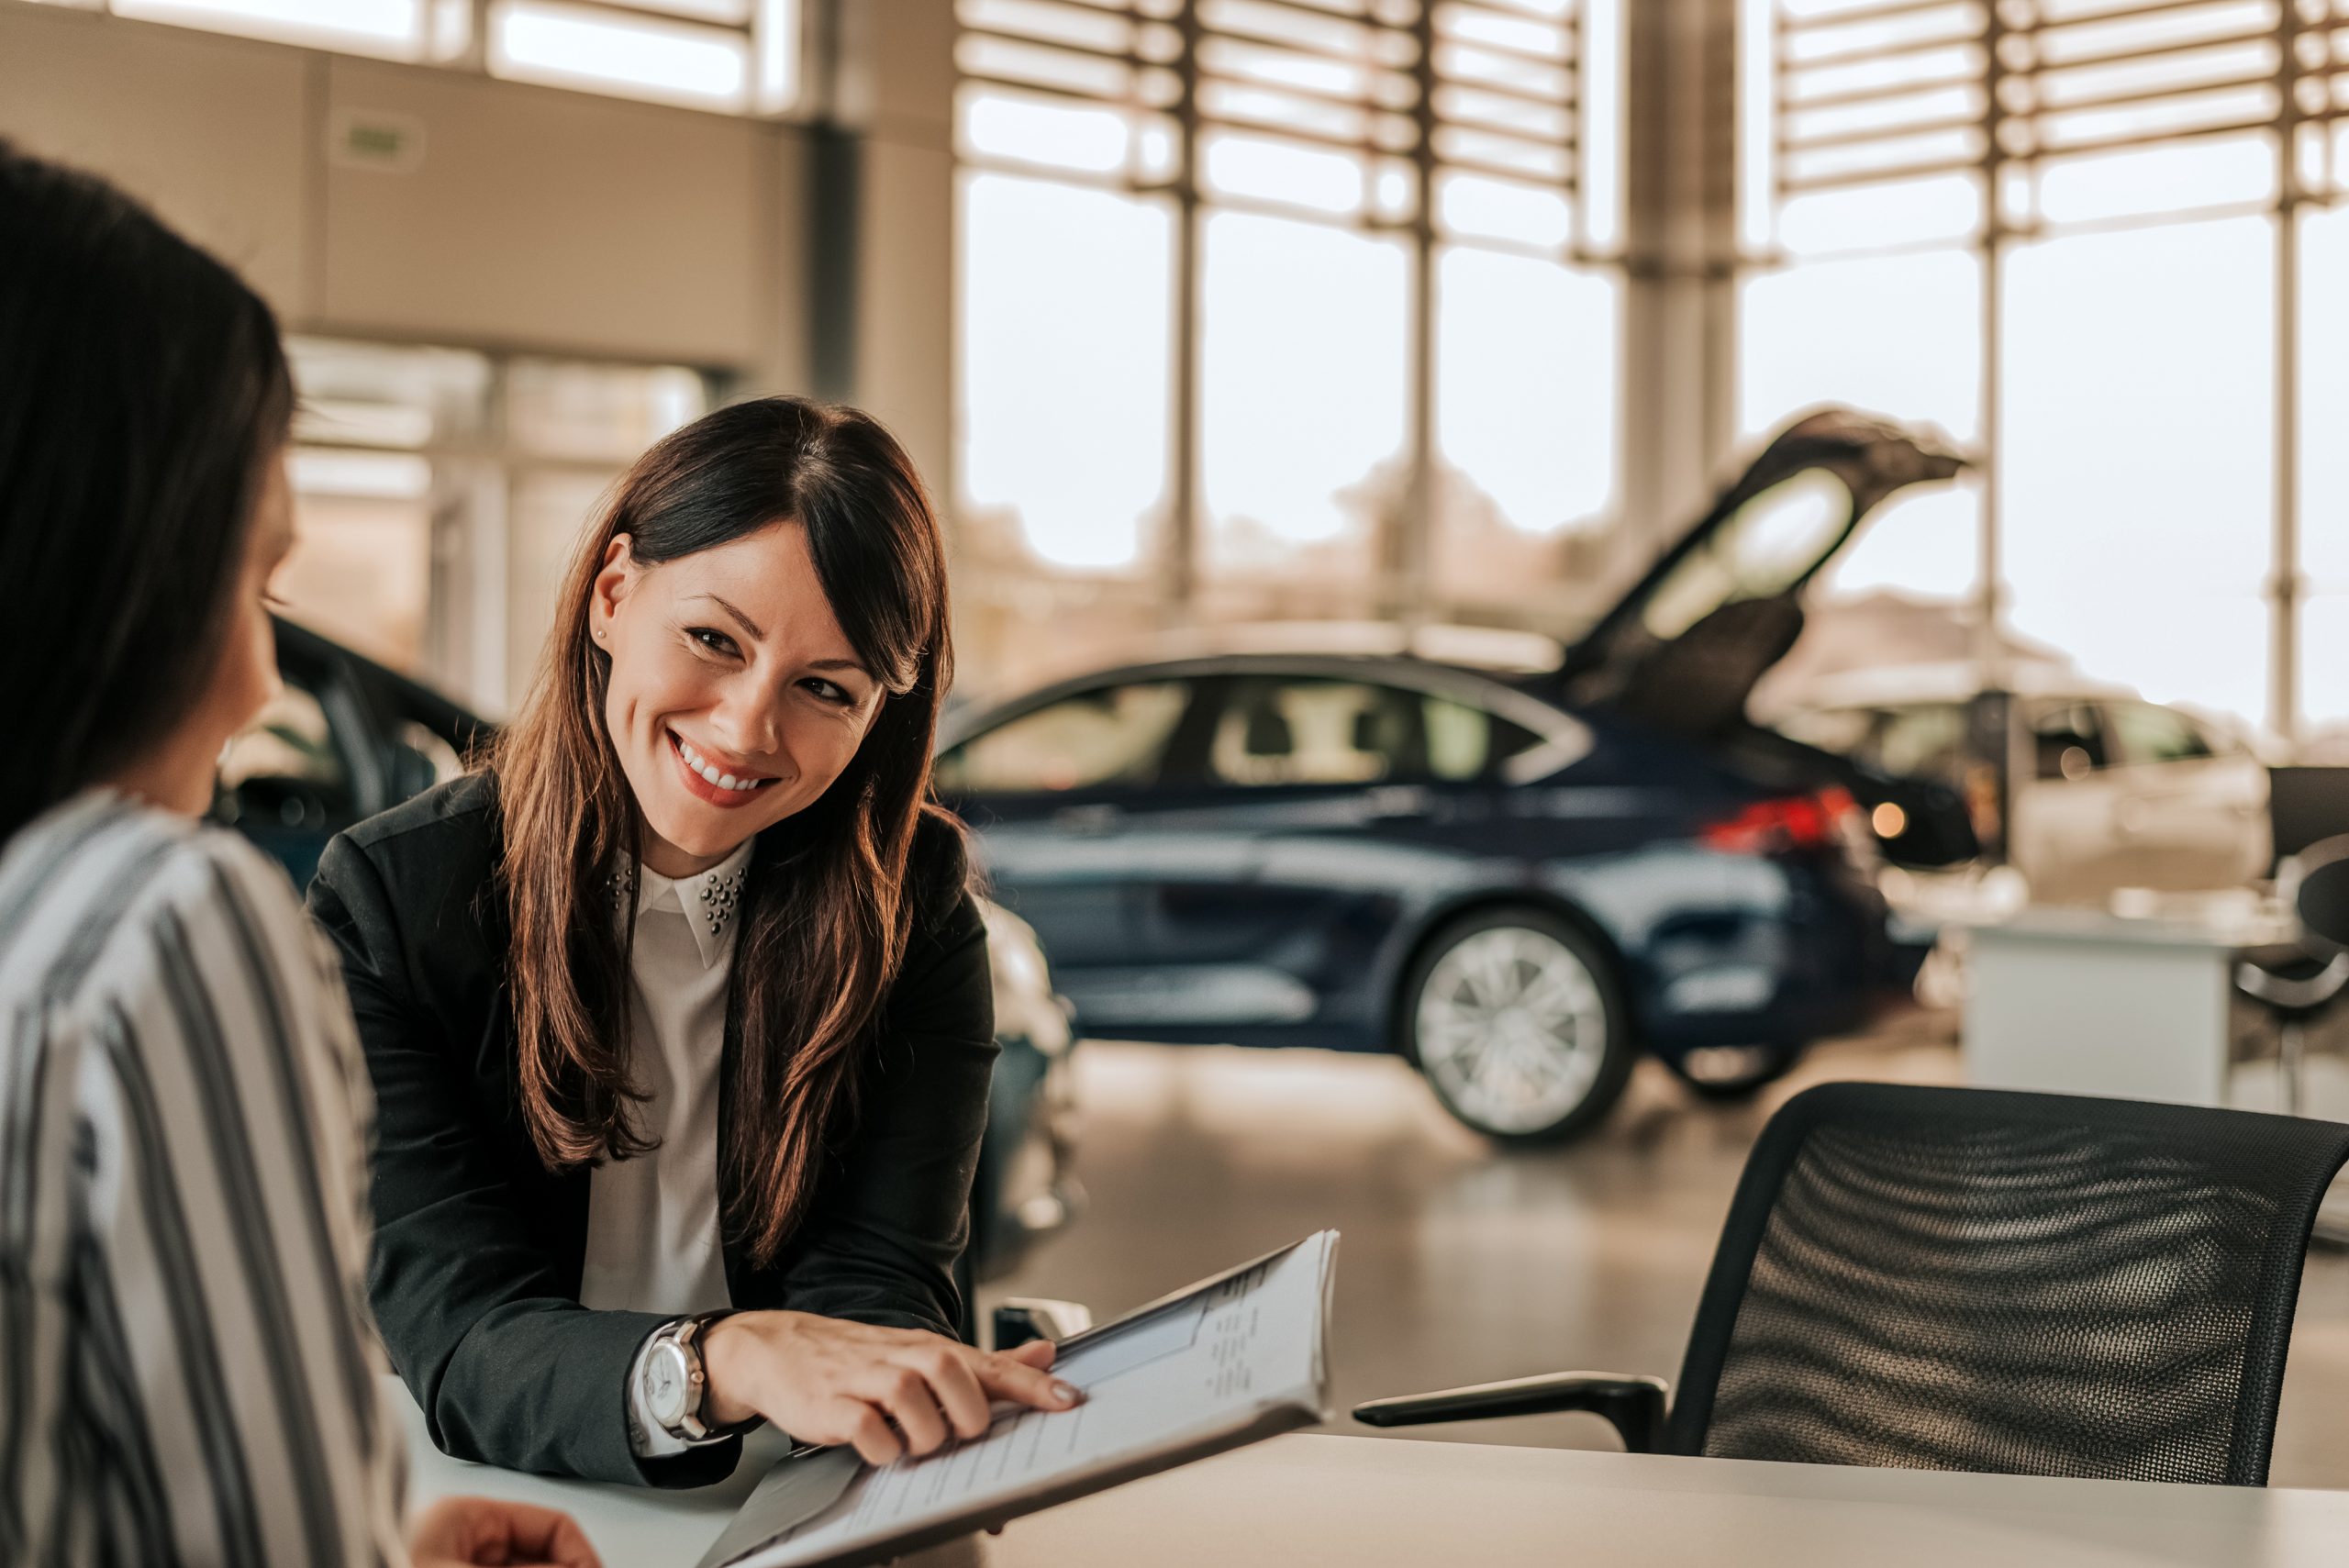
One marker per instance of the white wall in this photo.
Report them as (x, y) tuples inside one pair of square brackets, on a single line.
[(211, 131)]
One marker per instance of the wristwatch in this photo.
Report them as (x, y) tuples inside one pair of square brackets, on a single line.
[(676, 1385)]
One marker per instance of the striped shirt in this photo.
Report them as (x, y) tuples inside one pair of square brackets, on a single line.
[(186, 1373)]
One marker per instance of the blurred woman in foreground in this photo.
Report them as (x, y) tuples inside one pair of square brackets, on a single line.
[(184, 1373)]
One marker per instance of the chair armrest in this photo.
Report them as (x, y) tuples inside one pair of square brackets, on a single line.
[(2302, 994), (1633, 1405), (1020, 1318)]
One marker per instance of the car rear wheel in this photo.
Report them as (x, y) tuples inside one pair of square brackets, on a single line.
[(1514, 1018)]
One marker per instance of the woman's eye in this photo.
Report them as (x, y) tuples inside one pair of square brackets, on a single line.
[(710, 636), (832, 693)]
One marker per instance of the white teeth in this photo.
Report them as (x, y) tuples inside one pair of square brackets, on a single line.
[(700, 764)]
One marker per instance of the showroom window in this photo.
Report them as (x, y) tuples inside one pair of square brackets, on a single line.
[(733, 56), (1303, 307), (438, 492), (2092, 239)]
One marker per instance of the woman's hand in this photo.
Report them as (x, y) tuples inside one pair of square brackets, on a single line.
[(887, 1391), (482, 1532)]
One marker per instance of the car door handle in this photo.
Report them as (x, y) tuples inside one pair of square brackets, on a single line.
[(1090, 821)]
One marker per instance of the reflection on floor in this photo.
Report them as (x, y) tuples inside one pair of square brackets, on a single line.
[(1461, 1265)]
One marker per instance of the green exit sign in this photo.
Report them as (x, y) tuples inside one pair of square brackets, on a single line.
[(376, 138)]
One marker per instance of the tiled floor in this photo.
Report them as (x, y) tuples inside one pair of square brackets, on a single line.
[(1459, 1265)]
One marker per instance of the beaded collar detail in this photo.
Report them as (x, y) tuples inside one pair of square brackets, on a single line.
[(709, 901)]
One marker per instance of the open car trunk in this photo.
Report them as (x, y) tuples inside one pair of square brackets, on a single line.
[(1682, 652)]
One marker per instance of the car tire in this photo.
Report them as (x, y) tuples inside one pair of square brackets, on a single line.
[(1519, 1071), (1734, 1083)]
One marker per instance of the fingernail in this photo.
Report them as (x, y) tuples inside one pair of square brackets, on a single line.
[(1064, 1392)]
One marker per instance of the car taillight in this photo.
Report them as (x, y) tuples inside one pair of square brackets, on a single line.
[(1791, 822)]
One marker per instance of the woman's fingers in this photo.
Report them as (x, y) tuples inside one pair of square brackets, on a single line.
[(1037, 1354), (544, 1535), (955, 1386), (904, 1396), (869, 1432), (483, 1532), (1007, 1377)]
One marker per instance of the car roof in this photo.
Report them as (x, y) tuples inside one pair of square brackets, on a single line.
[(1566, 736), (1500, 651)]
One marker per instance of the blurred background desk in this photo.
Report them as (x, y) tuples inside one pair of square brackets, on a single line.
[(2079, 1001), (1363, 1503)]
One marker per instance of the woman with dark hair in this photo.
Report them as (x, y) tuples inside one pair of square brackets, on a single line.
[(678, 1013), (184, 1371)]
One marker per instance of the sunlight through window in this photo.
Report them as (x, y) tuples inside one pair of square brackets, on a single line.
[(2325, 470), (736, 56), (1302, 394), (394, 30), (2136, 452), (1328, 215), (2119, 160), (573, 46), (1528, 436), (1064, 371)]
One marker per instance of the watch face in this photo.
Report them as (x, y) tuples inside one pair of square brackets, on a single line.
[(664, 1383)]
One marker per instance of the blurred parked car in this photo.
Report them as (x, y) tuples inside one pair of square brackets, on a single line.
[(347, 737), (1519, 880), (2110, 792)]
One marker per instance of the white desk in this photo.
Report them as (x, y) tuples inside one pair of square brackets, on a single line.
[(1349, 1502), (2077, 1001)]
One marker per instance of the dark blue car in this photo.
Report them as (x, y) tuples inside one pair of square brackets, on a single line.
[(1520, 880)]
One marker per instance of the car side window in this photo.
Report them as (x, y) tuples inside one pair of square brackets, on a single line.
[(284, 769), (1313, 730), (1105, 736), (2067, 741), (1307, 729), (2151, 733)]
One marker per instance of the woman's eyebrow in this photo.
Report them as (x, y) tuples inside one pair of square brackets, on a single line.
[(854, 665), (746, 623)]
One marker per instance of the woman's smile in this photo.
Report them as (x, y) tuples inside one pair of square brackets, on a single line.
[(714, 781)]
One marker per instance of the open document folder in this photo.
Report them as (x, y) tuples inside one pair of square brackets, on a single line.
[(1228, 1361)]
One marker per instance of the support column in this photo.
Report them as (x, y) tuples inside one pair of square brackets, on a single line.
[(1181, 541), (894, 91), (1679, 393)]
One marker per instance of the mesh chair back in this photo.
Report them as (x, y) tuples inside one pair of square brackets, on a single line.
[(1960, 1279)]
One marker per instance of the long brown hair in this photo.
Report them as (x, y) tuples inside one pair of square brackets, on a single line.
[(826, 910), (144, 391)]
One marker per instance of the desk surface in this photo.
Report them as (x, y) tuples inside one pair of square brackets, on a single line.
[(1363, 1502)]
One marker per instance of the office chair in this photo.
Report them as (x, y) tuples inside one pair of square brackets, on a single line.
[(1961, 1279), (2298, 983)]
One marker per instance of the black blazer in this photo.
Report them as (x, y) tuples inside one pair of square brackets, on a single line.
[(478, 1249)]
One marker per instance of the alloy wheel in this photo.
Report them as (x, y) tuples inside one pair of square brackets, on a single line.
[(1512, 1029)]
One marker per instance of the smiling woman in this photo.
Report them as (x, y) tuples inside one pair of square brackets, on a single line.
[(679, 1013)]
